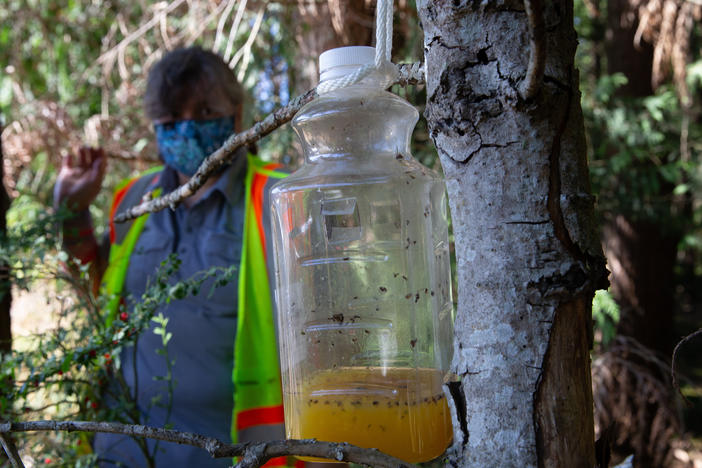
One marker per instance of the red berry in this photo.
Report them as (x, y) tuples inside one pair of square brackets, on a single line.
[(93, 405), (123, 316), (92, 353), (60, 372), (47, 460), (107, 355)]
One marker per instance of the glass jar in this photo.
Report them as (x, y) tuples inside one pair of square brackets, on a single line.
[(363, 275)]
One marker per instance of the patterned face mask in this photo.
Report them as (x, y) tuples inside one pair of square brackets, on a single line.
[(186, 143)]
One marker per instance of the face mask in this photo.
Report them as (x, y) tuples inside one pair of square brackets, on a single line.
[(186, 143)]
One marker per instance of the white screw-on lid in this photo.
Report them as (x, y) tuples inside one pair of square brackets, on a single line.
[(334, 63)]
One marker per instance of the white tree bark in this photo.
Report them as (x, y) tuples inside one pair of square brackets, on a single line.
[(526, 244)]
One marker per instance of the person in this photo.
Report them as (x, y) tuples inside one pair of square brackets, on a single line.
[(223, 344)]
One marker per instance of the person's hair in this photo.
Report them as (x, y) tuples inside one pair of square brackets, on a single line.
[(184, 72)]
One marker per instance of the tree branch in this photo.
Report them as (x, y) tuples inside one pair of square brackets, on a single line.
[(672, 364), (11, 450), (219, 158), (252, 455), (537, 49), (408, 74)]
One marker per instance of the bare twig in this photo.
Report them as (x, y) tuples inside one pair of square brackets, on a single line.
[(201, 27), (229, 6), (408, 74), (252, 455), (672, 364), (537, 49), (233, 30), (11, 450), (246, 48), (109, 56)]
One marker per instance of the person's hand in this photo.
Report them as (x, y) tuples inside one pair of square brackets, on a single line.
[(80, 178)]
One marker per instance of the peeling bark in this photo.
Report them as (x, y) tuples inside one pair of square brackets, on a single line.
[(528, 252), (561, 397)]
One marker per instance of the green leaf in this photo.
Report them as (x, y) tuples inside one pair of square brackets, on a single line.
[(67, 361), (681, 189), (5, 91), (178, 291)]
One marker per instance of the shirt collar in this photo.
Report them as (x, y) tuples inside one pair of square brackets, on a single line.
[(230, 182)]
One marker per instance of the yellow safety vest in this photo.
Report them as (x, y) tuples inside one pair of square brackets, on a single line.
[(258, 402)]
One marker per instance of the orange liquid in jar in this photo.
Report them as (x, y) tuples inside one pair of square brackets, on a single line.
[(400, 411)]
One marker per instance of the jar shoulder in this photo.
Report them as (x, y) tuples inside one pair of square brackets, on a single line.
[(398, 170)]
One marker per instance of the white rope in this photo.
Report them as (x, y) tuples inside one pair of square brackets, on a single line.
[(383, 51)]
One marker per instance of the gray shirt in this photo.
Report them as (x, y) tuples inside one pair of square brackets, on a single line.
[(203, 327)]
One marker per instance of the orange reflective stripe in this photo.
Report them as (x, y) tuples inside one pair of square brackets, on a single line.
[(280, 461), (260, 415), (257, 187), (258, 408), (119, 195)]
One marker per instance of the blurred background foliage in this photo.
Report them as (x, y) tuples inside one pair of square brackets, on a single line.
[(72, 72)]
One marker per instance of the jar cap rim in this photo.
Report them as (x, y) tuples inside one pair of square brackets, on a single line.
[(352, 57)]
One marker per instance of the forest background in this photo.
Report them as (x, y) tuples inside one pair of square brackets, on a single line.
[(73, 72)]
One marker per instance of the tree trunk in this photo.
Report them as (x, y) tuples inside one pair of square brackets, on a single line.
[(5, 285), (642, 259), (528, 253), (641, 255), (5, 290), (623, 56)]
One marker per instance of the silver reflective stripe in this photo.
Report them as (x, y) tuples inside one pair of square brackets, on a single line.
[(262, 432)]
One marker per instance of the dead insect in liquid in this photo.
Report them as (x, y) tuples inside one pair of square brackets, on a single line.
[(337, 318)]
